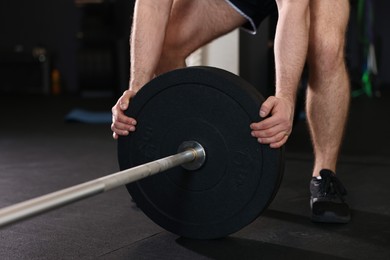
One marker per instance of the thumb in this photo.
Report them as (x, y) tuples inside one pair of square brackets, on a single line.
[(125, 99), (123, 104), (267, 106)]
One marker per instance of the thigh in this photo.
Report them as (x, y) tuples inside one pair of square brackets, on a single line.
[(194, 23)]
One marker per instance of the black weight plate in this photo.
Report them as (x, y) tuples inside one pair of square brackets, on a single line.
[(240, 176)]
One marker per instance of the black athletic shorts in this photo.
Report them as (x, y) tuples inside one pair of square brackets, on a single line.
[(254, 11)]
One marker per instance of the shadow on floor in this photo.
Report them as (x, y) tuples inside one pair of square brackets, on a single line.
[(238, 248), (375, 230)]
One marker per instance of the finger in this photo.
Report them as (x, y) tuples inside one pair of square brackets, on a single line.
[(265, 124), (267, 106), (119, 131), (122, 118), (273, 139), (124, 100), (122, 126), (280, 143), (119, 116), (269, 132)]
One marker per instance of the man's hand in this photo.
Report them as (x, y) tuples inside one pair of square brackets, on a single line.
[(275, 129), (121, 124)]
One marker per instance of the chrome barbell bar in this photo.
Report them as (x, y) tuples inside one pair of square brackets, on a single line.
[(191, 155)]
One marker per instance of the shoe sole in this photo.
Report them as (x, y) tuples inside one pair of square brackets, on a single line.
[(325, 212), (331, 218)]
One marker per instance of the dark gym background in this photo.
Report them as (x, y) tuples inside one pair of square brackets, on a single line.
[(63, 65)]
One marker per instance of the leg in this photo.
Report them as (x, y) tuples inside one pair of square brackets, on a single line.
[(193, 24), (328, 92)]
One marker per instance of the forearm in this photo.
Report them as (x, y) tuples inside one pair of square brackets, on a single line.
[(147, 38), (291, 44)]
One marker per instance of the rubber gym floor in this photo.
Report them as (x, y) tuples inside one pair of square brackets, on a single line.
[(40, 152)]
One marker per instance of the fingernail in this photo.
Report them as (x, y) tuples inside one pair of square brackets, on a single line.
[(132, 129), (259, 140), (253, 134), (124, 106), (262, 113)]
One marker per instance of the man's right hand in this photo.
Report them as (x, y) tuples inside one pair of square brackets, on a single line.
[(121, 124)]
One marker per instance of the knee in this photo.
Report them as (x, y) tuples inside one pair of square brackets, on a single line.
[(174, 49), (172, 56), (326, 53)]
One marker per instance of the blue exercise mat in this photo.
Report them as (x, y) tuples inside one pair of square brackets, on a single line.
[(90, 117)]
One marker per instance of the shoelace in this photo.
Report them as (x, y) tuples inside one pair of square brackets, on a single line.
[(331, 185)]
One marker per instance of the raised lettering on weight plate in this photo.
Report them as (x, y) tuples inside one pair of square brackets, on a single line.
[(145, 144), (241, 167)]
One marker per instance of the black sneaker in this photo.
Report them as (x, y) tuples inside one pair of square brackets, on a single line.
[(327, 199)]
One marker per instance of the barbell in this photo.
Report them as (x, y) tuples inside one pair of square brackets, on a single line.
[(197, 118)]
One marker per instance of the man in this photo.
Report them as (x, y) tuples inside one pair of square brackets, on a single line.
[(165, 32)]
